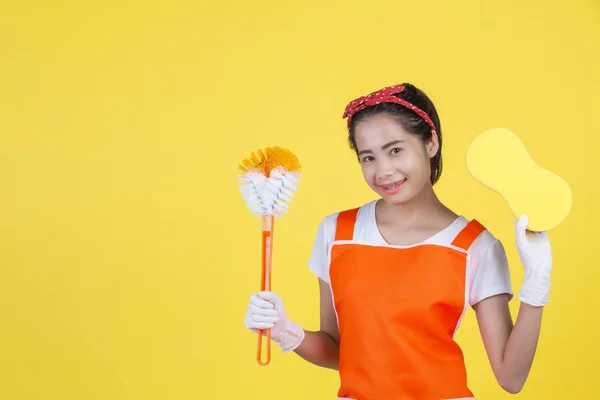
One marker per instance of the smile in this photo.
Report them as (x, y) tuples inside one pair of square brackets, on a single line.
[(392, 188)]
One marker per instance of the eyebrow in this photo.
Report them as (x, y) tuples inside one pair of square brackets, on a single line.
[(385, 146)]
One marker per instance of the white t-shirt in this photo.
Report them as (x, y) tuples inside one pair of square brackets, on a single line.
[(488, 270)]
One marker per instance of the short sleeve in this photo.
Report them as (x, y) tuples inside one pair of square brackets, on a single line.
[(490, 271), (319, 258)]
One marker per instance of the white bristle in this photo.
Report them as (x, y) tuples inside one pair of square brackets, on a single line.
[(269, 196)]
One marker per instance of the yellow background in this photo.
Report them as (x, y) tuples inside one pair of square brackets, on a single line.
[(127, 255)]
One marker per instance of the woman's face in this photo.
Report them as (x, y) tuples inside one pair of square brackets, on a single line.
[(394, 162)]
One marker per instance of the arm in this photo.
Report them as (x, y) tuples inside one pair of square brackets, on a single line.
[(511, 349), (266, 311), (322, 347)]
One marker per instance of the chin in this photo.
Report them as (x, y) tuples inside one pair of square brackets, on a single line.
[(399, 198), (395, 200)]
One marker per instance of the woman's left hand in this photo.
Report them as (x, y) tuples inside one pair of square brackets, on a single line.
[(535, 253)]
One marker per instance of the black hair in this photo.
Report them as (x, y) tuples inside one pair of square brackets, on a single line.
[(409, 120)]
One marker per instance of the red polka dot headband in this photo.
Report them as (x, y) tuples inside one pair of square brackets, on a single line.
[(385, 95)]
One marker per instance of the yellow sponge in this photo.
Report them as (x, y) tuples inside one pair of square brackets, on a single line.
[(498, 159)]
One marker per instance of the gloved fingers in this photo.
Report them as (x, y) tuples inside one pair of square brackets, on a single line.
[(522, 224), (269, 297), (260, 303), (263, 318), (260, 325), (521, 229), (267, 312)]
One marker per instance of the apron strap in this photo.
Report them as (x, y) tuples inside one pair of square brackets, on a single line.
[(468, 234), (345, 224)]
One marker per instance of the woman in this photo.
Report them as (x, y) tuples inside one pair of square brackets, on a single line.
[(396, 275)]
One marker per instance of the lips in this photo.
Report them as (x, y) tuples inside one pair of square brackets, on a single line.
[(393, 187)]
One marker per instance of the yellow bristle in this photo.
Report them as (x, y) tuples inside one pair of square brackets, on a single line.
[(267, 160)]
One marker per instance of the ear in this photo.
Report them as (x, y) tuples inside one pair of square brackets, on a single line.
[(433, 145)]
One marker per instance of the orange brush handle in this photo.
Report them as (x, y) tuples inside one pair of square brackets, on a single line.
[(267, 254)]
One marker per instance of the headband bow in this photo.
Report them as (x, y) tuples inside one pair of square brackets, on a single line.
[(385, 95)]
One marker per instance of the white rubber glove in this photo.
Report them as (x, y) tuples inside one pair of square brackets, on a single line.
[(536, 256), (266, 311)]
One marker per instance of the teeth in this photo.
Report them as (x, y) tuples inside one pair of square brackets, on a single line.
[(394, 186)]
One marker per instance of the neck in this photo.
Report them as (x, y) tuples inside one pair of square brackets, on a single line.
[(423, 206)]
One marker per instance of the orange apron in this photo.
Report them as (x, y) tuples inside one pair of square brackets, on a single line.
[(398, 308)]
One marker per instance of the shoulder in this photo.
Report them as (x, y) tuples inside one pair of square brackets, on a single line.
[(489, 272), (328, 224), (484, 241), (485, 248), (319, 258)]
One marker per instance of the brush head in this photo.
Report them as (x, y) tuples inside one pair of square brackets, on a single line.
[(268, 180)]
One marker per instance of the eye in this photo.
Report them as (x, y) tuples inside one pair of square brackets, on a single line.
[(396, 150), (367, 158)]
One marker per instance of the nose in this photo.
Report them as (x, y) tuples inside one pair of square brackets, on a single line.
[(384, 170)]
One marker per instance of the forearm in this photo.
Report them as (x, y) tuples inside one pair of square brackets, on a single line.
[(320, 349), (520, 348)]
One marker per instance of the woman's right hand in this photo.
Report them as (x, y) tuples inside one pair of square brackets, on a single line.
[(266, 311)]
